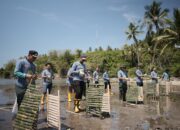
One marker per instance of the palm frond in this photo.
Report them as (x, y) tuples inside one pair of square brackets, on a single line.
[(160, 38), (170, 31)]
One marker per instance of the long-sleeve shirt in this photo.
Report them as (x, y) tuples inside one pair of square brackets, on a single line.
[(106, 77), (139, 76), (122, 74), (165, 76), (69, 79), (78, 70), (22, 68), (154, 75), (95, 76)]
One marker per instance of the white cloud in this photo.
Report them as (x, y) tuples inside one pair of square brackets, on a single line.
[(130, 17)]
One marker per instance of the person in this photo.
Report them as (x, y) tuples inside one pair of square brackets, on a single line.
[(47, 77), (69, 82), (25, 71), (96, 76), (88, 78), (106, 81), (139, 76), (123, 78), (139, 82), (165, 75), (79, 70), (154, 76)]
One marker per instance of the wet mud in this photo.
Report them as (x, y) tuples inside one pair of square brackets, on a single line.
[(162, 113)]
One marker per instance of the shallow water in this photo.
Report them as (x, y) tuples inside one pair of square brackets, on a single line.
[(162, 113)]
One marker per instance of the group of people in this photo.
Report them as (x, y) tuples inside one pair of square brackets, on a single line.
[(105, 78), (25, 72), (77, 78)]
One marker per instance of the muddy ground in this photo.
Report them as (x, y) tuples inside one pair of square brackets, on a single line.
[(162, 113)]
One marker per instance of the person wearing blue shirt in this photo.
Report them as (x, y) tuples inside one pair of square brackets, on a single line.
[(139, 75), (69, 82), (139, 82), (106, 81), (123, 78), (96, 76), (154, 76), (25, 71), (88, 78), (79, 70), (165, 75), (47, 77)]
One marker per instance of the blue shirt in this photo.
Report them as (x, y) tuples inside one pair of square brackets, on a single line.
[(122, 74), (139, 76), (78, 70), (96, 76), (69, 79), (22, 68), (49, 74), (106, 76), (154, 75), (165, 76)]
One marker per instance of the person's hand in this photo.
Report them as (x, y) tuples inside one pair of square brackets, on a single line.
[(127, 79), (34, 76), (28, 76)]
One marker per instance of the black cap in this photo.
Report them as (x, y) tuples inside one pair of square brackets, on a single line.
[(83, 56), (33, 53)]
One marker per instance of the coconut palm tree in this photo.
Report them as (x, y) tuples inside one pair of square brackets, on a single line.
[(155, 16), (132, 32), (171, 34)]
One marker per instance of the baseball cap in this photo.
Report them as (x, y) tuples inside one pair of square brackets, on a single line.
[(33, 53), (83, 57)]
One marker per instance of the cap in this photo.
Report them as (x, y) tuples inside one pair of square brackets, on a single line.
[(83, 57), (48, 63), (122, 66), (33, 53)]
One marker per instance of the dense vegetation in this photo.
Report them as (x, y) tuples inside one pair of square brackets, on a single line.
[(160, 48)]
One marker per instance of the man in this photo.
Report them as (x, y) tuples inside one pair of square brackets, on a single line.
[(123, 78), (139, 82), (154, 76), (88, 78), (25, 71), (96, 76), (79, 70), (69, 82), (47, 77), (139, 75), (106, 81), (165, 75)]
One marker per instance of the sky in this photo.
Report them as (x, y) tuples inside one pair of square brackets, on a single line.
[(46, 25)]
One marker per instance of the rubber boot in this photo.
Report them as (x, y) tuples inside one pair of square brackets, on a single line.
[(69, 97), (76, 107)]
